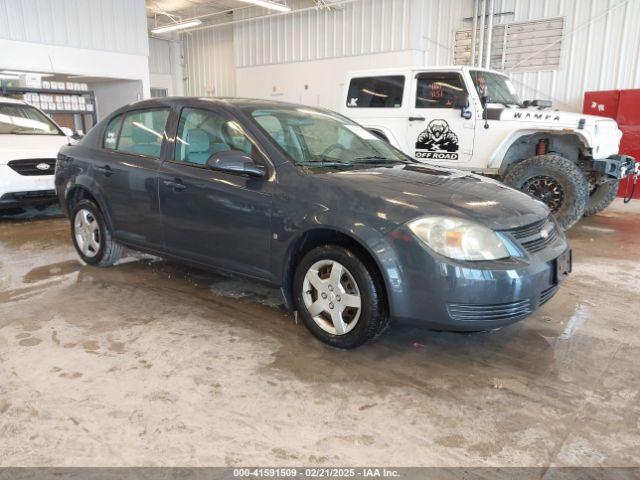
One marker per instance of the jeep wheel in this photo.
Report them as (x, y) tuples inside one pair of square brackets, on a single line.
[(555, 181), (91, 236), (340, 300), (601, 195)]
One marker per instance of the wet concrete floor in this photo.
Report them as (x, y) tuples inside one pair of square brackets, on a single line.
[(151, 363)]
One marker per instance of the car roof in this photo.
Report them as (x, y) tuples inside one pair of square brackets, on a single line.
[(222, 101), (12, 100)]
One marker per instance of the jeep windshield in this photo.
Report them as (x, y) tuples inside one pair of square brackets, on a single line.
[(17, 119), (498, 88), (319, 139)]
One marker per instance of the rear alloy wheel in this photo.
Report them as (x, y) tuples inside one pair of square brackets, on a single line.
[(555, 181), (91, 237), (338, 298), (601, 194)]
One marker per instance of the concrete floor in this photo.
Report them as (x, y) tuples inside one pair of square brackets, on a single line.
[(150, 363)]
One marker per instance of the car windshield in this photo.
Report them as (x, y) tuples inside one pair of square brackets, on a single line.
[(497, 87), (21, 119), (319, 139)]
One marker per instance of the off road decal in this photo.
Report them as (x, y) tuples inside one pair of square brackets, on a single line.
[(437, 141)]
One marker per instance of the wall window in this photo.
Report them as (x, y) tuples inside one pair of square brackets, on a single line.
[(376, 92), (438, 90), (201, 133), (143, 131), (110, 141)]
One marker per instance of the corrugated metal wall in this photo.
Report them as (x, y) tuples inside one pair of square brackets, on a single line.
[(209, 62), (599, 52), (358, 28), (160, 56), (110, 25)]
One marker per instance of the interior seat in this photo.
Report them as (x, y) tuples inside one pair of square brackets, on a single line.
[(200, 147)]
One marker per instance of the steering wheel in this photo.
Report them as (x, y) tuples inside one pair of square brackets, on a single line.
[(330, 149)]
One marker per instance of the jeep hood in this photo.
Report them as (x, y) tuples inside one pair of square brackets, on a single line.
[(404, 192), (15, 147), (547, 116)]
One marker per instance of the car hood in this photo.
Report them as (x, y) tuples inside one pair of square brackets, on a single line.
[(403, 192), (15, 147)]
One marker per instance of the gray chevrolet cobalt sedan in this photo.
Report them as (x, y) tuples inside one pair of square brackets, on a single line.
[(355, 233)]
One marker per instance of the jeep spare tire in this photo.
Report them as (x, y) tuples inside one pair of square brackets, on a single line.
[(554, 180), (601, 195)]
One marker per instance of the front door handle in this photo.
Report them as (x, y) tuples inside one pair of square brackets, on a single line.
[(106, 170), (176, 184), (416, 119)]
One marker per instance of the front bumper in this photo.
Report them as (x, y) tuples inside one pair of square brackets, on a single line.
[(25, 190), (615, 166), (463, 296)]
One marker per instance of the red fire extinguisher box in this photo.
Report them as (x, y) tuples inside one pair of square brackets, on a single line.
[(624, 107)]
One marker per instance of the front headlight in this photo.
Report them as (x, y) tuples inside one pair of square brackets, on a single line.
[(458, 238)]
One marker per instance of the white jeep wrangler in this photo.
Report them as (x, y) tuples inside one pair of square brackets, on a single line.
[(471, 119)]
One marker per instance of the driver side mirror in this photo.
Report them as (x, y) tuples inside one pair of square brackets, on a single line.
[(461, 102), (234, 161)]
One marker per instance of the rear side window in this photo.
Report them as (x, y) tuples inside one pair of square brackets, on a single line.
[(376, 92), (110, 141), (142, 132), (438, 90)]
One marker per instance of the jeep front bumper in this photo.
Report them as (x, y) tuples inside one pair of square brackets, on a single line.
[(615, 166)]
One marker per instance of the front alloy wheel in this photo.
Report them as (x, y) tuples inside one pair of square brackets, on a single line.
[(340, 296), (332, 297)]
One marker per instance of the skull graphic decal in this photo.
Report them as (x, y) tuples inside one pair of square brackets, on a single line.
[(438, 141)]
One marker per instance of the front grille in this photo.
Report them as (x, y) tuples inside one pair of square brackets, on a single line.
[(29, 167), (531, 236), (501, 311), (546, 295)]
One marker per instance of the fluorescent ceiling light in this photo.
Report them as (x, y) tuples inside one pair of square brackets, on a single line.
[(19, 72), (269, 4), (177, 26)]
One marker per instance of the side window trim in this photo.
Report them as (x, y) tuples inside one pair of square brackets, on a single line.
[(443, 72), (164, 132)]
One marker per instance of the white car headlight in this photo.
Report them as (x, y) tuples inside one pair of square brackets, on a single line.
[(458, 238)]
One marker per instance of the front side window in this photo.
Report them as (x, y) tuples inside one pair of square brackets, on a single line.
[(438, 89), (110, 141), (202, 133), (318, 140), (498, 88), (18, 119), (376, 92), (142, 132)]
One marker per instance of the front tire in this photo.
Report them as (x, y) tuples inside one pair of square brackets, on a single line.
[(554, 180), (339, 298), (91, 236), (601, 195)]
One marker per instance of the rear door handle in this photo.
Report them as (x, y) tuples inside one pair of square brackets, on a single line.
[(106, 170), (416, 119), (176, 184)]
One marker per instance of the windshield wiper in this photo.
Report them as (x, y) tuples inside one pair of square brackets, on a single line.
[(375, 160), (325, 163)]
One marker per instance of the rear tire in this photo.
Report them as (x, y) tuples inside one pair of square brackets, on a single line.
[(326, 303), (554, 180), (91, 236), (602, 195)]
